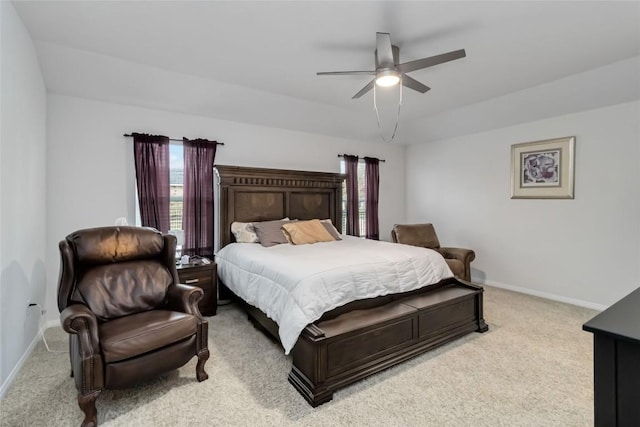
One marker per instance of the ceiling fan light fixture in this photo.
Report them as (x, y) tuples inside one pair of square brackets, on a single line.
[(387, 78)]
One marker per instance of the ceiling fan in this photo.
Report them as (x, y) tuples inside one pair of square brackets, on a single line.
[(389, 72)]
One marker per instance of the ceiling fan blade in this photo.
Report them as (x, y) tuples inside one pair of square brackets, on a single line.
[(431, 61), (346, 73), (384, 51), (365, 89), (414, 84)]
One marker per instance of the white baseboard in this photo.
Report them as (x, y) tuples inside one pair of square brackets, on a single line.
[(541, 294), (16, 369), (51, 324)]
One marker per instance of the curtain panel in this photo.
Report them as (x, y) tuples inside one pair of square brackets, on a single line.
[(353, 214), (151, 154), (372, 188), (197, 217)]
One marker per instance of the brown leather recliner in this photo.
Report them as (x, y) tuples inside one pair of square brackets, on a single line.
[(128, 317), (424, 235)]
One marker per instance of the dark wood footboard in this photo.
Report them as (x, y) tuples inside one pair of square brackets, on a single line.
[(334, 353), (365, 337)]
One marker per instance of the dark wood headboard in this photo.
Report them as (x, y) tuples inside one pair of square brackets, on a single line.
[(248, 194)]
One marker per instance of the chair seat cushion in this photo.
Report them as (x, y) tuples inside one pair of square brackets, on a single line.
[(140, 333)]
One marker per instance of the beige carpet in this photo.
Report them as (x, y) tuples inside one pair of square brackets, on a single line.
[(533, 368)]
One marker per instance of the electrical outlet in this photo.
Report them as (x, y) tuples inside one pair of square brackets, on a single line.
[(43, 311)]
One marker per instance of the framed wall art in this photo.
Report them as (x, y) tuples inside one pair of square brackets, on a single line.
[(543, 169)]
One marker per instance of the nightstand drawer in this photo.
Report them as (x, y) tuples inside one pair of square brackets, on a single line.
[(203, 276), (196, 278)]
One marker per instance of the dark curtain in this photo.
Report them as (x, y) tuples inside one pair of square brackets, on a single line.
[(372, 188), (151, 153), (353, 220), (197, 211)]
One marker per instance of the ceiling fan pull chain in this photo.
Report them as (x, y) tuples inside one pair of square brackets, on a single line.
[(395, 129), (375, 107)]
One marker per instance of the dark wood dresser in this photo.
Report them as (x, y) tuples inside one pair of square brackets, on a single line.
[(616, 354), (203, 276)]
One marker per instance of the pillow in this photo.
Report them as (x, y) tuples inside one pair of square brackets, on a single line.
[(270, 232), (244, 232), (331, 229), (304, 232)]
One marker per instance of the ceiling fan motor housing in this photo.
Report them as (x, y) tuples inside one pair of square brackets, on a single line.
[(389, 71)]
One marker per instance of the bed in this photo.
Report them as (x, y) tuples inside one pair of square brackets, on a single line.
[(349, 340)]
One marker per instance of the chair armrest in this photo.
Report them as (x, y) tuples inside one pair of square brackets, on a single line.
[(79, 320), (464, 255), (185, 298)]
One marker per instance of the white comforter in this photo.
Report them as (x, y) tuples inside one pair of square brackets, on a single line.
[(295, 284)]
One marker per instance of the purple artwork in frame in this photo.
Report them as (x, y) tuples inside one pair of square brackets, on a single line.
[(540, 168), (543, 169)]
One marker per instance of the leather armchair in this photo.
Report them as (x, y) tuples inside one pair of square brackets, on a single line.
[(128, 317), (424, 235)]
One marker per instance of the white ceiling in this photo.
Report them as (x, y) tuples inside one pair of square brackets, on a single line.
[(255, 62)]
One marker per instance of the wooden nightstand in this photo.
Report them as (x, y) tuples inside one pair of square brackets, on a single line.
[(203, 276)]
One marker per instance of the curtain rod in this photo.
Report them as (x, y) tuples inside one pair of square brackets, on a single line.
[(170, 139), (380, 160)]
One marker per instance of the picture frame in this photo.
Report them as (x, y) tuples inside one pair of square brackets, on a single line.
[(543, 169)]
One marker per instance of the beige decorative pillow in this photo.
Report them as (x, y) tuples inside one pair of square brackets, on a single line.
[(304, 232), (331, 229), (244, 232)]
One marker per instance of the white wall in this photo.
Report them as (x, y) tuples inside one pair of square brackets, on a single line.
[(22, 195), (90, 176), (585, 251)]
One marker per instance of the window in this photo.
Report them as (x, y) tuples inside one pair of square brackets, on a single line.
[(362, 199), (176, 179)]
